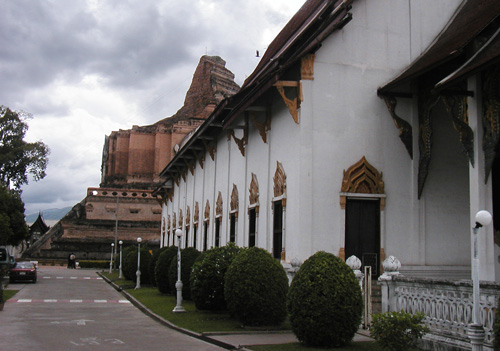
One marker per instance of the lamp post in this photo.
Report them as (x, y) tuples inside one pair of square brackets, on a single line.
[(138, 273), (111, 260), (178, 284), (476, 331), (120, 276)]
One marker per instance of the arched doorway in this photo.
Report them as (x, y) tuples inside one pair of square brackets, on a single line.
[(363, 199)]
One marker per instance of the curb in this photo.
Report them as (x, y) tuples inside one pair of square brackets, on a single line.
[(203, 336)]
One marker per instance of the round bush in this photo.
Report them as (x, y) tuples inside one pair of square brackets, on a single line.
[(188, 257), (162, 268), (152, 264), (207, 277), (130, 265), (324, 302), (256, 287)]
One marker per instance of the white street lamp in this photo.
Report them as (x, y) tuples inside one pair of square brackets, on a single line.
[(178, 284), (476, 331), (120, 276), (138, 273), (111, 261)]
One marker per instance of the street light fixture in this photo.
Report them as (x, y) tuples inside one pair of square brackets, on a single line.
[(111, 261), (120, 276), (178, 284), (138, 273), (476, 331)]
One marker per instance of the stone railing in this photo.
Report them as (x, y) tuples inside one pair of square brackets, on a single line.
[(447, 304)]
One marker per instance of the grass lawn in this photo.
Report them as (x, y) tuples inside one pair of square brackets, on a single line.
[(357, 346), (8, 293), (203, 321)]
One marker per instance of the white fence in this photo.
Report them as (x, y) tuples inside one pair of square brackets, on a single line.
[(446, 304)]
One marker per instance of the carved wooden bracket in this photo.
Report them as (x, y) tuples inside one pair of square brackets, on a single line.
[(456, 106), (307, 67), (242, 142), (211, 148), (426, 103), (405, 129), (292, 104), (190, 166), (263, 128), (200, 159), (491, 117)]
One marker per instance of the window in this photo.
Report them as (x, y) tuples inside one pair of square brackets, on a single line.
[(232, 228), (252, 226), (277, 229), (217, 232), (187, 237), (205, 236), (195, 229)]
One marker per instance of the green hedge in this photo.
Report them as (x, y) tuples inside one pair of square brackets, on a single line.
[(256, 287), (325, 302), (93, 264), (188, 257), (207, 277), (162, 268)]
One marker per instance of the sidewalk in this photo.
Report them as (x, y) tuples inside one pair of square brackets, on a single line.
[(230, 340)]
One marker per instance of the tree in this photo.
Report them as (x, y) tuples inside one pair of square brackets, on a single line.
[(13, 228), (18, 157)]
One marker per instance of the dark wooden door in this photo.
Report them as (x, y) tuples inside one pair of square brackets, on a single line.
[(362, 233)]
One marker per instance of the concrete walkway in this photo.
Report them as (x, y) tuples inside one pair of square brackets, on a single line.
[(232, 340)]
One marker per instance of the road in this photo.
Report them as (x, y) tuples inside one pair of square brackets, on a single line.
[(70, 309)]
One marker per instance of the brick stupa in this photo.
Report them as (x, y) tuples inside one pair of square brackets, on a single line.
[(123, 207)]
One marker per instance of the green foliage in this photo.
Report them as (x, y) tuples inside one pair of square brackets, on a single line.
[(130, 264), (17, 157), (93, 264), (325, 302), (162, 268), (496, 327), (152, 263), (13, 228), (207, 277), (398, 331), (188, 257), (255, 288)]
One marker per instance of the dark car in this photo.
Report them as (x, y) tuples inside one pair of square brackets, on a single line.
[(23, 271)]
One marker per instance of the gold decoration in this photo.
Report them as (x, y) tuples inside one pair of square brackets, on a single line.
[(188, 216), (196, 217), (174, 220), (207, 211), (218, 205), (180, 218), (362, 178), (279, 180), (254, 190), (342, 253), (234, 199)]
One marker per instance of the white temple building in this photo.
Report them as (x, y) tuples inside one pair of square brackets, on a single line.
[(368, 128)]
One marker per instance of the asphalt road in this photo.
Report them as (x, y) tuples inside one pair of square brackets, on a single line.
[(70, 309)]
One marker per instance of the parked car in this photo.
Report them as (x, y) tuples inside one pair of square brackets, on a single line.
[(23, 271)]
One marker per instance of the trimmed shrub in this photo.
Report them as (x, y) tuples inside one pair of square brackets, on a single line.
[(398, 331), (93, 264), (255, 288), (188, 257), (130, 265), (207, 277), (152, 264), (162, 267), (325, 302)]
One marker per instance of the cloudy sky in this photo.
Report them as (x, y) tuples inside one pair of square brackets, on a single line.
[(84, 68)]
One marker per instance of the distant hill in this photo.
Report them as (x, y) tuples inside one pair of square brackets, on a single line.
[(51, 215)]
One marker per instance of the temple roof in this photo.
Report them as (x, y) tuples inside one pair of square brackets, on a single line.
[(471, 18)]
